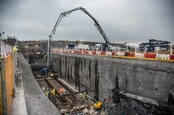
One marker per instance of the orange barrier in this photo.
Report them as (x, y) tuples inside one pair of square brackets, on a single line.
[(120, 54), (86, 51), (78, 51), (172, 57), (93, 52), (150, 55), (129, 54), (113, 53), (103, 53)]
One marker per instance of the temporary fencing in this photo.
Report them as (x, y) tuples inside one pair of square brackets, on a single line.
[(123, 54), (5, 49)]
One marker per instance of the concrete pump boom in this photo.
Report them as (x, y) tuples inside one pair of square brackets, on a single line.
[(96, 24), (63, 14)]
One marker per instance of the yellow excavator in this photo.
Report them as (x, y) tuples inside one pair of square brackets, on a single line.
[(97, 104)]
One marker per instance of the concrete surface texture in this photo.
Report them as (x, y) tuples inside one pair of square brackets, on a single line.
[(128, 106), (19, 104), (36, 102), (150, 79)]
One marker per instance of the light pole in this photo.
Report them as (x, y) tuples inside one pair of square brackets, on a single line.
[(48, 51), (1, 38), (2, 35), (145, 49), (171, 50)]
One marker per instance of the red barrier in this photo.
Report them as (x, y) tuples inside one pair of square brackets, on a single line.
[(129, 54), (103, 53), (172, 57), (113, 53), (150, 55), (86, 51), (78, 51), (93, 52)]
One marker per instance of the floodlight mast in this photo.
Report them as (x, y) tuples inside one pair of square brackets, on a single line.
[(96, 24)]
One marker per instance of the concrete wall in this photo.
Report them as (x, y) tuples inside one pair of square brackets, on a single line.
[(150, 79), (36, 101)]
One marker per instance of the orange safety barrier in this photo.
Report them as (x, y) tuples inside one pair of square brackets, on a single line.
[(78, 51), (103, 53), (93, 52), (129, 54), (86, 51), (147, 55), (150, 55), (113, 53), (172, 57)]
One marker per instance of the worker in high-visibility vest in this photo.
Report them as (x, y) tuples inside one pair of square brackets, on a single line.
[(46, 93), (15, 49), (52, 92), (15, 56)]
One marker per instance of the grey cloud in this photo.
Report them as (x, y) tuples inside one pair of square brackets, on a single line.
[(122, 21)]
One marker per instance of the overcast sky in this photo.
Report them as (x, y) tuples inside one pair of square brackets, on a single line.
[(122, 20)]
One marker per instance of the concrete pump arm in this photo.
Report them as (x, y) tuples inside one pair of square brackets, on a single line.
[(96, 24)]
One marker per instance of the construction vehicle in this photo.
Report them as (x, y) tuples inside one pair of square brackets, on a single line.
[(96, 24), (97, 105), (153, 44)]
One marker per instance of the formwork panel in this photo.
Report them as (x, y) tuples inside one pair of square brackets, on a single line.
[(9, 78)]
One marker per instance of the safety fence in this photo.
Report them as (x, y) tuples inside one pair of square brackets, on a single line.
[(6, 79), (123, 54), (5, 49)]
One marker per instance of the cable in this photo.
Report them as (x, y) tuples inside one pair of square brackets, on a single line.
[(41, 60)]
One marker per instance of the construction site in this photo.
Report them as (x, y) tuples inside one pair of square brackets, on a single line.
[(73, 77)]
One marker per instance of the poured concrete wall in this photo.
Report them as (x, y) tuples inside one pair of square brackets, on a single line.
[(150, 79), (36, 101)]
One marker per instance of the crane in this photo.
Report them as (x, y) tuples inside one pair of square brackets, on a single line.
[(96, 24)]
